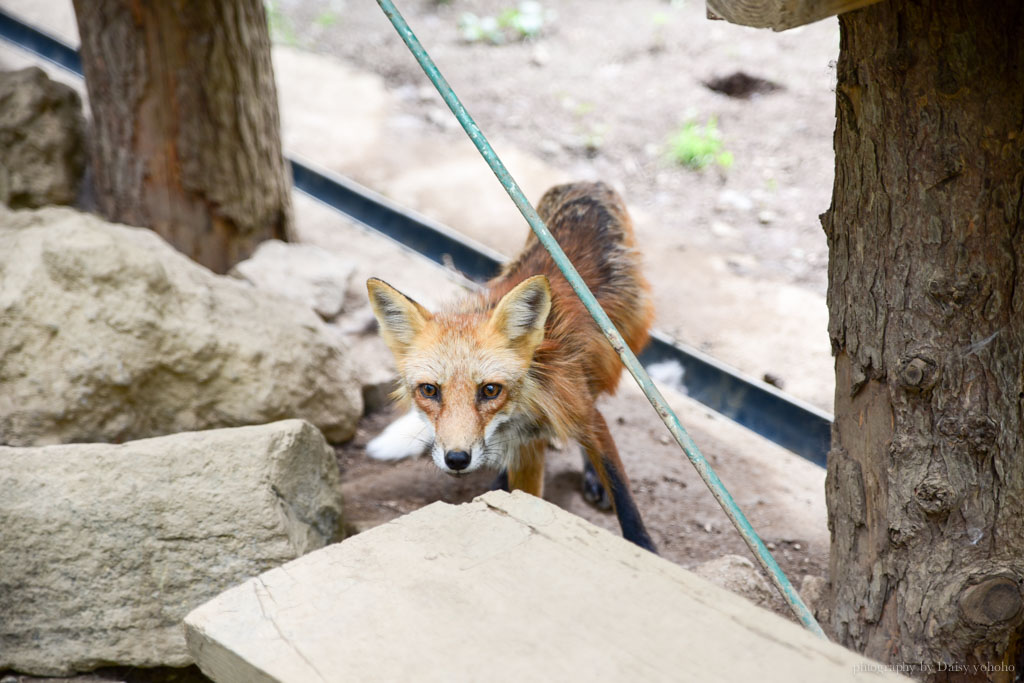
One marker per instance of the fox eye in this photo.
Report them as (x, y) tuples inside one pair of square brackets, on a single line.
[(429, 391), (489, 391)]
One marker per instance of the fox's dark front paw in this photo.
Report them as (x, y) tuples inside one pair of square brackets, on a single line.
[(500, 482), (593, 490)]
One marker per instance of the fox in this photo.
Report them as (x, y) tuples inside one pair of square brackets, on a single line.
[(495, 376)]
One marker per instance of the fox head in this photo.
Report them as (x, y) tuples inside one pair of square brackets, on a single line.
[(467, 372)]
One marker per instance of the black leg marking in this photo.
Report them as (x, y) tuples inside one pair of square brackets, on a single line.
[(593, 490), (500, 482), (632, 524)]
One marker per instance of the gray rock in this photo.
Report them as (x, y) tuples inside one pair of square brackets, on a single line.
[(41, 140), (108, 334), (815, 593), (304, 273), (377, 373), (357, 322), (105, 548), (375, 364)]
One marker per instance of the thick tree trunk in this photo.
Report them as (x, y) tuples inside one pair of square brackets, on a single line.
[(926, 299), (186, 129)]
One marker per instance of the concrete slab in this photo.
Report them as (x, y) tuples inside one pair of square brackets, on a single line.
[(506, 588)]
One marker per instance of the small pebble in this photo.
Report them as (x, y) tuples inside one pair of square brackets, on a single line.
[(550, 147), (720, 229), (731, 199), (540, 56)]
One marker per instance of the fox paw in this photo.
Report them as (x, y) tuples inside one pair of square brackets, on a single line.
[(593, 490), (500, 482)]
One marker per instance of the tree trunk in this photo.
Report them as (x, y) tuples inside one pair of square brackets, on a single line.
[(926, 300), (186, 135)]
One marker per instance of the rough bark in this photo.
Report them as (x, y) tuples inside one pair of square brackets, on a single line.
[(926, 300), (186, 126)]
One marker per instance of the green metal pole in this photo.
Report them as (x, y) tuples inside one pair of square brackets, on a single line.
[(704, 469)]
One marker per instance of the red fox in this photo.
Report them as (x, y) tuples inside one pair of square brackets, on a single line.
[(494, 377)]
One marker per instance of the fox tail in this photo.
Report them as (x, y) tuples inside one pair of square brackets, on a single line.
[(406, 437)]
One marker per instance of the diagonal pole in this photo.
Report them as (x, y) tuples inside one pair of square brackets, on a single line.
[(700, 463)]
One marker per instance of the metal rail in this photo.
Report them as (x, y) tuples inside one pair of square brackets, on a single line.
[(760, 407), (39, 43)]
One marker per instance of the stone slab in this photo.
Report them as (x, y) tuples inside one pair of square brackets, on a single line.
[(506, 588)]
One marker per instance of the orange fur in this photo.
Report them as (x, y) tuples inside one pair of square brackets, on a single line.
[(591, 224), (529, 333)]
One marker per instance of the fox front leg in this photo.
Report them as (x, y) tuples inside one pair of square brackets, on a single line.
[(527, 472), (500, 482), (604, 456), (594, 491)]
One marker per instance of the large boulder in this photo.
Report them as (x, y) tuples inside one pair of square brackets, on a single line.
[(109, 334), (305, 273), (104, 548), (42, 153)]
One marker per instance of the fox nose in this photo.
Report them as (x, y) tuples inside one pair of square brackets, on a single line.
[(457, 460)]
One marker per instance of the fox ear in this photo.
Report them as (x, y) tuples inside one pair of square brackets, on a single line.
[(400, 318), (521, 314)]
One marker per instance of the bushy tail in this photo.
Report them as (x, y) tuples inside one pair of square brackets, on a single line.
[(406, 437)]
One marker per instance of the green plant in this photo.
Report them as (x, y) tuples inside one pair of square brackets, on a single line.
[(326, 19), (583, 108), (526, 20), (593, 138), (476, 29), (280, 26), (515, 23), (695, 146)]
